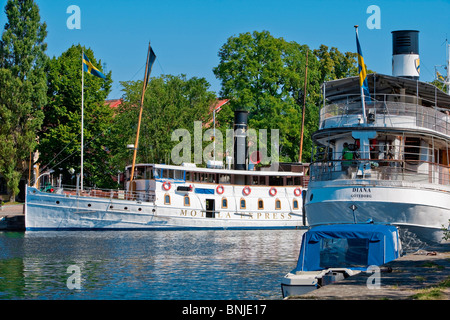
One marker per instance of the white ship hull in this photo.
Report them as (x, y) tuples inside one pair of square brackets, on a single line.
[(424, 211), (50, 211)]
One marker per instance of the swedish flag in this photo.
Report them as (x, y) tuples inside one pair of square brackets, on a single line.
[(440, 77), (362, 70), (90, 68)]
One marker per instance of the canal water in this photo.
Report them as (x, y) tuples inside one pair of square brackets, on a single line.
[(137, 265)]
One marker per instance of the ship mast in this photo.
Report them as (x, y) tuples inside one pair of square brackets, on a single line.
[(304, 107), (439, 77), (136, 144), (447, 47)]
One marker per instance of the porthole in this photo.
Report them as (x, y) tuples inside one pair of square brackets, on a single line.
[(140, 209), (57, 202), (89, 205), (125, 208), (111, 207)]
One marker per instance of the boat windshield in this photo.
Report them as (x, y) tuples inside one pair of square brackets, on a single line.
[(343, 253)]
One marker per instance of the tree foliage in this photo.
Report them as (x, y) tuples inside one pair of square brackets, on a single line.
[(23, 87), (171, 102), (265, 75), (60, 137)]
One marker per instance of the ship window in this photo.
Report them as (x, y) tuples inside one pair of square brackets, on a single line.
[(139, 173), (187, 201), (289, 181), (262, 180), (224, 178), (224, 203), (169, 173), (412, 149), (166, 199), (149, 173), (157, 173), (243, 204), (178, 174), (275, 181), (260, 204), (295, 204), (278, 204)]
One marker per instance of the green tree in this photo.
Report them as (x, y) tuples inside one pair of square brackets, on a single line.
[(23, 88), (335, 65), (60, 137), (171, 102), (265, 75), (439, 84)]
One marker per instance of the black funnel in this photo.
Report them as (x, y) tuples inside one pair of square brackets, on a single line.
[(240, 139)]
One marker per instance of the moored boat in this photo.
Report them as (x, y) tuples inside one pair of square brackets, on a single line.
[(158, 196), (331, 253), (383, 156), (177, 197)]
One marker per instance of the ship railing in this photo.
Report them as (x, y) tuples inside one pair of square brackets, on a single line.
[(415, 171), (71, 191), (386, 110)]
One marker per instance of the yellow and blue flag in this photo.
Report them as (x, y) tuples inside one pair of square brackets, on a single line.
[(440, 77), (90, 68), (362, 70)]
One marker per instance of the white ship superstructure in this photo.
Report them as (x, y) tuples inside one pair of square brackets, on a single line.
[(391, 167)]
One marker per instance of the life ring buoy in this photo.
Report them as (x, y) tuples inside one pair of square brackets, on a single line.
[(297, 192), (246, 191), (273, 191), (166, 185), (220, 189)]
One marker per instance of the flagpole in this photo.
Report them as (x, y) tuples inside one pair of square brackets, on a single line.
[(82, 118), (448, 67), (304, 107), (136, 144), (363, 103)]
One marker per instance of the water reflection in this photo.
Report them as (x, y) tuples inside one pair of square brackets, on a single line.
[(147, 265)]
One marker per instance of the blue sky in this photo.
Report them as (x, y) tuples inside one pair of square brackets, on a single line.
[(187, 35)]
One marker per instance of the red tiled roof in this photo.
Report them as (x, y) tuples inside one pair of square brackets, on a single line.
[(219, 103), (114, 103)]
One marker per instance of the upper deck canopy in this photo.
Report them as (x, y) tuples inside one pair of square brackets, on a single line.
[(296, 170), (379, 84)]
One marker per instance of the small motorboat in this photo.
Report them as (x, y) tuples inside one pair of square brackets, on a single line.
[(330, 253)]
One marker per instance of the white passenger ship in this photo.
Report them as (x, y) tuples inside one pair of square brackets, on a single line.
[(180, 197), (177, 197), (398, 169)]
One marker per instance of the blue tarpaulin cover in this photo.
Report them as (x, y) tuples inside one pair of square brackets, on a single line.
[(353, 246)]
